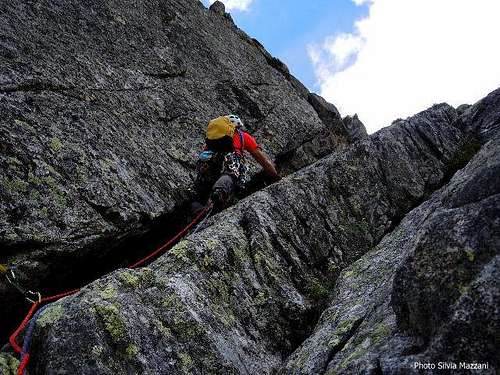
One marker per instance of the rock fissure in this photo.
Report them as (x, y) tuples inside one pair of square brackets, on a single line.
[(122, 251), (172, 74), (343, 341), (45, 86)]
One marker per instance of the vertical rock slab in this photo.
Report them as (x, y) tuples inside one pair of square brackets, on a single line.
[(427, 293)]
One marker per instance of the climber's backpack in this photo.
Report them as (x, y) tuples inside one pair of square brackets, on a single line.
[(220, 133)]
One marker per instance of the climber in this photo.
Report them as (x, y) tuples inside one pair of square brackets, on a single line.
[(221, 168)]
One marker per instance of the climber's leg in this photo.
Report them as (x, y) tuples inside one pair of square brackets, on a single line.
[(221, 192), (207, 172)]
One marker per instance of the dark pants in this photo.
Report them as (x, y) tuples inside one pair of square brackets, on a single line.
[(221, 175), (224, 186)]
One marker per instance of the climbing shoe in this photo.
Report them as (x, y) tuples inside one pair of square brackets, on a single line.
[(218, 198)]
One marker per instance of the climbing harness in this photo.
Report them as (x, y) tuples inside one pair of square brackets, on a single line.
[(29, 322)]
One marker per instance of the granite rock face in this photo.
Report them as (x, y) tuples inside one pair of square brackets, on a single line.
[(373, 253), (103, 110), (429, 291), (243, 293)]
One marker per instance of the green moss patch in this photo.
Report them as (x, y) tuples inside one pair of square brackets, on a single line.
[(261, 298), (129, 278), (55, 144), (8, 364), (50, 315), (165, 331), (317, 290), (380, 332), (172, 301), (185, 360), (113, 321), (180, 251), (471, 255), (131, 351), (186, 329), (109, 293), (14, 185)]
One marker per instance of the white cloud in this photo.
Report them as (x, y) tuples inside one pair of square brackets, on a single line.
[(343, 46), (334, 54), (409, 54), (235, 4), (361, 2)]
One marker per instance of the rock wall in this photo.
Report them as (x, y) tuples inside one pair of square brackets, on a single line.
[(241, 295), (103, 106), (428, 292), (372, 254)]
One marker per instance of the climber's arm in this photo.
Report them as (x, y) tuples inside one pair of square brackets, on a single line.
[(265, 162)]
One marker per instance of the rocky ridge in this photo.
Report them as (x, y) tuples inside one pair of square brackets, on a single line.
[(428, 292)]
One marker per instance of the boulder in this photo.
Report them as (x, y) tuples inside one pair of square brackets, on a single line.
[(355, 128)]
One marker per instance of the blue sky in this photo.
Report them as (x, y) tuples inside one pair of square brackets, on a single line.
[(381, 59), (285, 31)]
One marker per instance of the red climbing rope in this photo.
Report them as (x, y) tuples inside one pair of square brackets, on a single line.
[(33, 309), (61, 295), (173, 239), (34, 306), (22, 365), (16, 333), (13, 338)]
